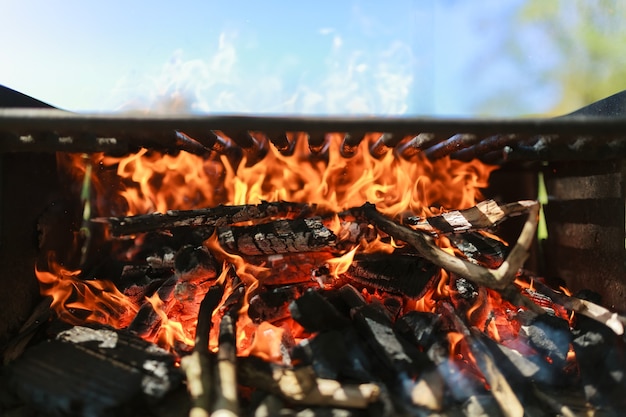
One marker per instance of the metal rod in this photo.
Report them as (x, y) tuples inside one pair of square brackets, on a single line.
[(23, 120)]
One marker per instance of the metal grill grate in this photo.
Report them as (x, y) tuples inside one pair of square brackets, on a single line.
[(574, 137)]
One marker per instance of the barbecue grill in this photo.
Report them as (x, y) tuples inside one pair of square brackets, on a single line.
[(580, 157)]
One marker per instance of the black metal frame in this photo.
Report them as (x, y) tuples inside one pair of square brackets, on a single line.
[(496, 140)]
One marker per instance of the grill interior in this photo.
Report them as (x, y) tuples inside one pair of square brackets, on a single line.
[(579, 159), (580, 156)]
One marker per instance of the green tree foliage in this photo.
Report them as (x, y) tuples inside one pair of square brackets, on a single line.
[(586, 40)]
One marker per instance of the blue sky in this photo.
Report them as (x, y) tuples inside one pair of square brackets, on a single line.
[(325, 57)]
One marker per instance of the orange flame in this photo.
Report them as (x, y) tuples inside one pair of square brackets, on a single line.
[(95, 301), (170, 331), (153, 182), (340, 265)]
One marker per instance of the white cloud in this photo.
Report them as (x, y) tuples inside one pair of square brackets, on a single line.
[(349, 81)]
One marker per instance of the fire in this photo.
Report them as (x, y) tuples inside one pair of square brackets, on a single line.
[(78, 301), (149, 181), (170, 331), (156, 183)]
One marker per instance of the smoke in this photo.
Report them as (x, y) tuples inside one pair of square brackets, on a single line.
[(237, 78)]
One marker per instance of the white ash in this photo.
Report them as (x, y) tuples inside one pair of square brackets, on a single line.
[(80, 334)]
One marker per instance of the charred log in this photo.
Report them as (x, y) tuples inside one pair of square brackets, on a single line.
[(277, 237), (214, 217), (93, 371), (601, 356), (400, 274), (315, 313)]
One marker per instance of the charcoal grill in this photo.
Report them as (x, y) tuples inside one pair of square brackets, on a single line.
[(579, 156)]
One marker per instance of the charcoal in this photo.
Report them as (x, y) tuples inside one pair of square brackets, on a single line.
[(191, 261), (398, 358), (279, 236), (93, 371), (601, 356), (271, 304), (351, 297), (146, 319), (419, 328), (480, 248), (334, 354), (315, 313), (400, 274), (522, 373), (551, 336)]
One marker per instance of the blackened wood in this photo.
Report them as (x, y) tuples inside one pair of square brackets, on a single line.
[(400, 274), (289, 268), (351, 297), (195, 262), (313, 311), (586, 308), (551, 336), (216, 216), (147, 319), (93, 371), (271, 304), (301, 386), (335, 354), (500, 388), (480, 248), (601, 357), (484, 215), (279, 236), (420, 328), (400, 360)]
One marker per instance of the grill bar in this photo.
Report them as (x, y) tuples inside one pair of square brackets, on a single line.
[(570, 137)]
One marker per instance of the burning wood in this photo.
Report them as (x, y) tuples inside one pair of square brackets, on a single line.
[(369, 298)]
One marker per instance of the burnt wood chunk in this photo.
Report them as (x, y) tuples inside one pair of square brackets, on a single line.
[(551, 336), (273, 304), (400, 361), (93, 371), (146, 320), (216, 216), (419, 328), (335, 354), (280, 236), (601, 356), (401, 274), (484, 215), (315, 313), (480, 248)]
